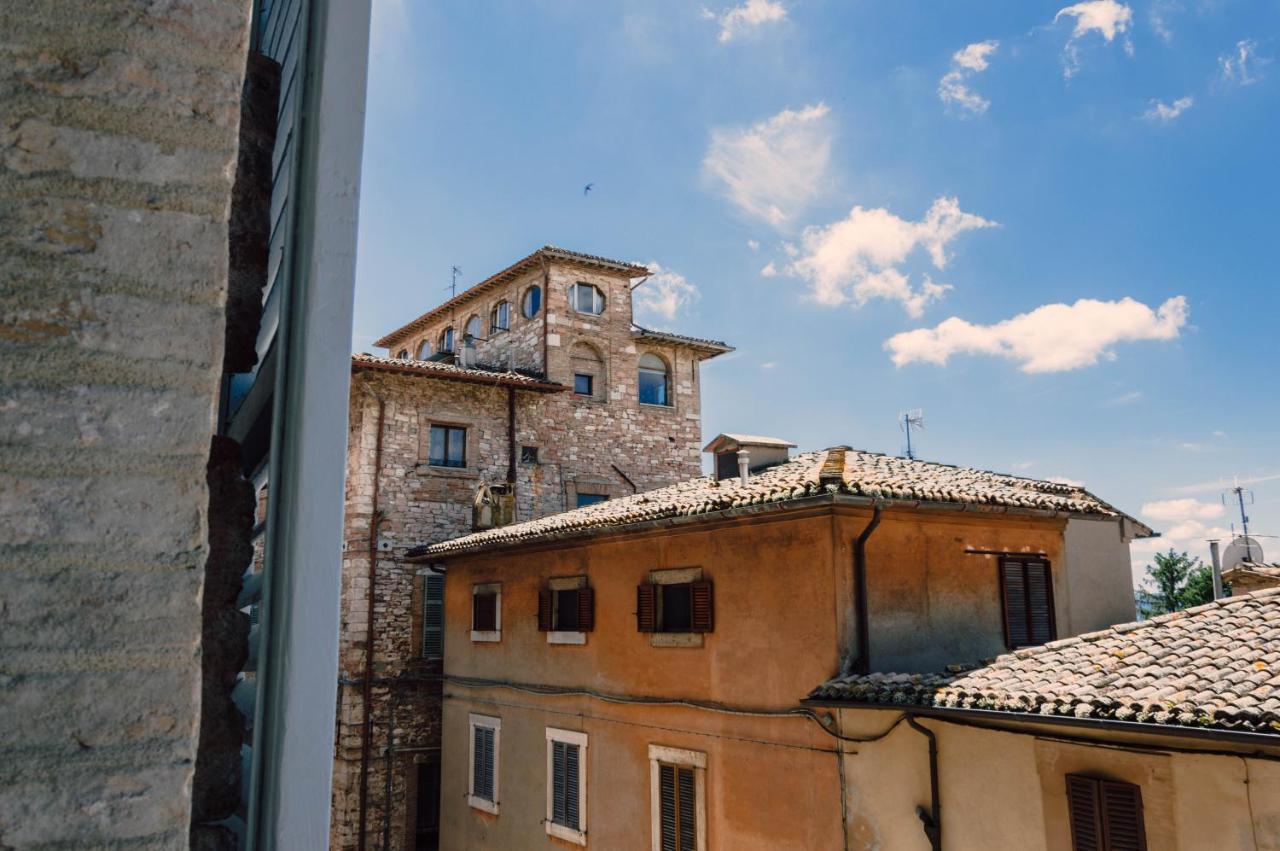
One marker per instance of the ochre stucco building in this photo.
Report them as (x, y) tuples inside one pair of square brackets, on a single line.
[(730, 664), (530, 393)]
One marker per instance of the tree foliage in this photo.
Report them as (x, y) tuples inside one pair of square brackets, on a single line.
[(1176, 581)]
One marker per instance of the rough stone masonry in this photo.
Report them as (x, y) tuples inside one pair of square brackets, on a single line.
[(117, 146)]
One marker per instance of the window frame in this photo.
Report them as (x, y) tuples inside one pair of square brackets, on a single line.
[(598, 298), (1025, 561), (487, 635), (1101, 824), (466, 328), (561, 831), (447, 427), (423, 349), (494, 327), (660, 755), (532, 291), (448, 337), (591, 385), (556, 585), (427, 600), (694, 636), (667, 383), (489, 722)]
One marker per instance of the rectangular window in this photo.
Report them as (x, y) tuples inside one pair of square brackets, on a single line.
[(528, 455), (501, 318), (566, 610), (486, 612), (675, 607), (583, 384), (567, 785), (433, 616), (482, 767), (1105, 815), (448, 446), (677, 789), (585, 499), (653, 387), (1027, 590)]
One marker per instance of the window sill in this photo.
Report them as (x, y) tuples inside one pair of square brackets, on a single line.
[(483, 804), (486, 635), (568, 834), (657, 406), (582, 397), (445, 472), (566, 637), (675, 639)]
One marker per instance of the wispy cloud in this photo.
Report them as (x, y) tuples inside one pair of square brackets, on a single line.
[(753, 245), (1051, 338), (769, 270), (1182, 509), (1126, 398), (856, 259), (1105, 17), (773, 168), (1159, 13), (1063, 480), (953, 88), (750, 16), (665, 294), (1166, 112), (1220, 484), (1242, 66)]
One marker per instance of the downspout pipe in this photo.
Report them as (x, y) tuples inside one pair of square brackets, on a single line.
[(511, 438), (861, 662), (366, 738), (931, 820)]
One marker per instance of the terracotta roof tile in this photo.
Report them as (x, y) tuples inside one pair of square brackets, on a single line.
[(449, 371), (864, 474), (1213, 666)]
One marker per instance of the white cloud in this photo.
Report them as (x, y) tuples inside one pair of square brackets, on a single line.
[(1219, 433), (1105, 17), (1241, 65), (1182, 509), (753, 245), (1222, 484), (664, 294), (1159, 14), (769, 271), (744, 19), (953, 88), (1166, 112), (1126, 398), (1051, 338), (856, 259), (773, 168), (1063, 480), (769, 365), (1024, 465)]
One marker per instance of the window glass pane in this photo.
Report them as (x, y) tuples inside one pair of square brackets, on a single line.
[(532, 302), (436, 453), (653, 387), (473, 327), (590, 499), (567, 610), (587, 299), (457, 447), (446, 340), (677, 608), (582, 384)]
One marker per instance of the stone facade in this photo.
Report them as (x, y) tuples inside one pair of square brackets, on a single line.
[(117, 152), (606, 444)]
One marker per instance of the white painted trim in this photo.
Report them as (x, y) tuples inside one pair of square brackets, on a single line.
[(493, 723), (697, 760), (571, 737), (488, 635), (566, 637)]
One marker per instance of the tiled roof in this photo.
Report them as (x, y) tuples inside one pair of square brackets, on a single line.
[(839, 470), (452, 372), (550, 252), (1254, 570), (1214, 666), (714, 347)]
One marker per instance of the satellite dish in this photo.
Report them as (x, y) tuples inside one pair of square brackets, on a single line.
[(1241, 549)]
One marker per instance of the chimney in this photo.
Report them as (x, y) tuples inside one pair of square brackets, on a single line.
[(1216, 558), (742, 454)]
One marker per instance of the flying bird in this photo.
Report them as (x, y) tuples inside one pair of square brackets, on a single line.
[(588, 188)]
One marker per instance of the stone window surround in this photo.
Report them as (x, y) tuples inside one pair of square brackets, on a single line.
[(570, 292), (675, 576), (493, 723), (697, 760), (456, 420), (597, 367), (671, 380), (588, 485), (565, 583), (571, 737), (494, 635)]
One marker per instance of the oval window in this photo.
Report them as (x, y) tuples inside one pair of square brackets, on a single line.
[(532, 302)]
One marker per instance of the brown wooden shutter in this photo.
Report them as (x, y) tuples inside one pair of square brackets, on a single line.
[(668, 812), (1013, 588), (702, 606), (544, 609), (1039, 602), (1026, 589), (586, 609), (1122, 826), (1084, 813), (646, 608)]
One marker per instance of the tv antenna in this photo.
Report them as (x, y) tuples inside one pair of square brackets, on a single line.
[(1239, 495), (453, 281), (909, 420)]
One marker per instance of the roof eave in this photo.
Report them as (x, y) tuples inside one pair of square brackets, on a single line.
[(497, 380)]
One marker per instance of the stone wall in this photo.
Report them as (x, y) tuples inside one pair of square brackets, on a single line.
[(116, 158)]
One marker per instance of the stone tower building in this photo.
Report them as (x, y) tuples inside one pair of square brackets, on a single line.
[(532, 392)]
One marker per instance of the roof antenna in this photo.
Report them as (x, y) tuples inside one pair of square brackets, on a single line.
[(910, 420), (1240, 493), (453, 282)]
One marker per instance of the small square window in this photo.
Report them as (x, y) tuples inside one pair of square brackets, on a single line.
[(448, 447), (528, 455), (583, 384), (585, 499), (566, 610), (486, 612)]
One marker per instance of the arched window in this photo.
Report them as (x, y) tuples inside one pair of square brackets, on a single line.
[(403, 354), (446, 340), (587, 298), (500, 317), (532, 302), (589, 375), (424, 350), (472, 328), (655, 380)]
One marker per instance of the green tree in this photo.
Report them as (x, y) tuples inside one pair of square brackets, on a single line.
[(1176, 581)]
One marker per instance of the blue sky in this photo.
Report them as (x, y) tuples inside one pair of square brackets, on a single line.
[(1051, 226)]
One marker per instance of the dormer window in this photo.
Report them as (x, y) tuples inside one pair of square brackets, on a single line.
[(587, 298)]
